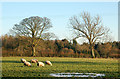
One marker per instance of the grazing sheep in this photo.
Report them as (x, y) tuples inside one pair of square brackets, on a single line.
[(23, 60), (27, 64), (40, 64), (49, 63), (34, 61)]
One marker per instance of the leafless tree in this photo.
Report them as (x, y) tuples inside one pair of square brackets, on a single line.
[(48, 36), (33, 28), (88, 27)]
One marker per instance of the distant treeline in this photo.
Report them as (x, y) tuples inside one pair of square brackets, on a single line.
[(15, 46)]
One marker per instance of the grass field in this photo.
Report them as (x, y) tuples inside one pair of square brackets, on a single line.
[(12, 66)]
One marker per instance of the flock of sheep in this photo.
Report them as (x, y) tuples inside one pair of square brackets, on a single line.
[(26, 63)]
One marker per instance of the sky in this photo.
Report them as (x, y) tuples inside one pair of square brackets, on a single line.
[(59, 13)]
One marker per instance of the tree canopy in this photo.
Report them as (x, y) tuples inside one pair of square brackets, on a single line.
[(34, 28)]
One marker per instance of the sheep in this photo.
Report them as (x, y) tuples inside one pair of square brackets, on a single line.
[(27, 64), (23, 60), (34, 61), (40, 64), (49, 63)]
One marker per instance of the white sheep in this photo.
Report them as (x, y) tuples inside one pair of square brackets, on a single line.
[(23, 60), (27, 64), (40, 64), (49, 63), (34, 61)]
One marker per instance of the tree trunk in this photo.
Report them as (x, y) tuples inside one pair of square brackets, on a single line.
[(33, 51), (93, 53)]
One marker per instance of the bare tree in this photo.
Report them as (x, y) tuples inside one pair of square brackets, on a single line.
[(33, 28), (88, 27), (48, 36)]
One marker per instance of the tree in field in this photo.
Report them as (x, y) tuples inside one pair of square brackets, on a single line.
[(34, 28), (88, 27)]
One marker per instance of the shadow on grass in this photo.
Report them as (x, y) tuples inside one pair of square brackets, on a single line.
[(6, 61), (83, 63)]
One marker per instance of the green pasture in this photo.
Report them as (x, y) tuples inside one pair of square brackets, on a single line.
[(12, 66)]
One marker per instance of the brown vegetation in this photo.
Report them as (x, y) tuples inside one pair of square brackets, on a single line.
[(14, 46)]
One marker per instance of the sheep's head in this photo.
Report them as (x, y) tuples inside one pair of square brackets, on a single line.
[(23, 60)]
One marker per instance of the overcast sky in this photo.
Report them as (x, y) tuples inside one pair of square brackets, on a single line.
[(59, 14)]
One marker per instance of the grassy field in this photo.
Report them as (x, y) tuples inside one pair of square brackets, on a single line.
[(12, 66)]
